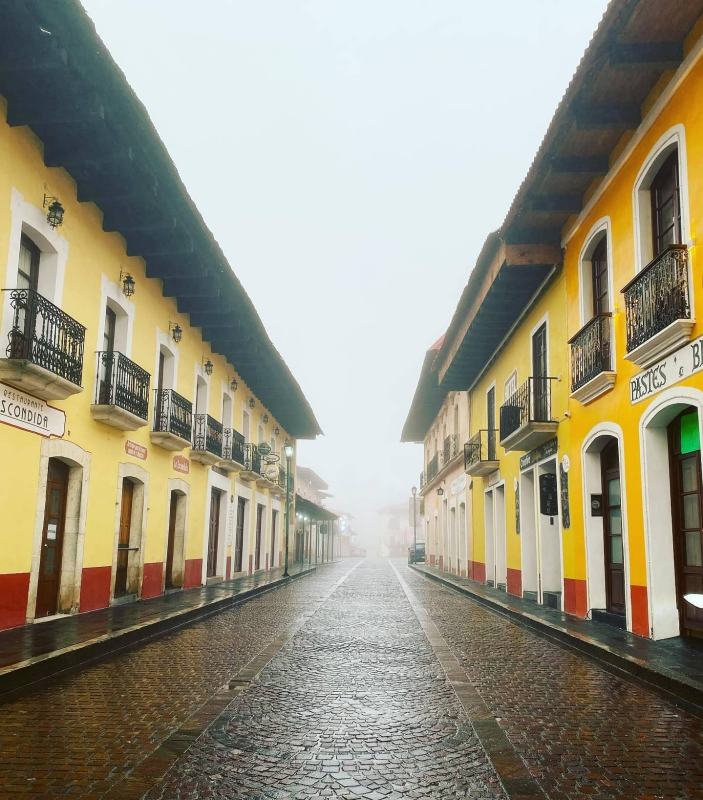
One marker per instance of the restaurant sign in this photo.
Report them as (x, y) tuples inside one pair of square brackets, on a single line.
[(30, 413), (181, 464), (685, 362), (135, 449)]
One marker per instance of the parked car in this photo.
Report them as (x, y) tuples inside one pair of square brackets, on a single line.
[(415, 556)]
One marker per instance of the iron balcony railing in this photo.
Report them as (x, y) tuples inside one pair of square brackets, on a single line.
[(432, 467), (590, 351), (532, 402), (657, 296), (480, 447), (252, 458), (44, 335), (122, 383), (450, 449), (173, 414), (207, 435), (233, 445)]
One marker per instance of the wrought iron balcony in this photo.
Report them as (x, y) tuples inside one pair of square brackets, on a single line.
[(44, 354), (252, 463), (207, 439), (432, 468), (450, 448), (173, 420), (121, 392), (658, 307), (480, 457), (592, 359), (526, 417), (232, 448)]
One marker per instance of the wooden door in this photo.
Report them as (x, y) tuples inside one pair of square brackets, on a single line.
[(599, 278), (612, 530), (27, 278), (124, 537), (214, 533), (239, 538), (173, 510), (259, 523), (52, 539), (106, 360), (540, 388), (687, 517), (666, 206), (274, 522)]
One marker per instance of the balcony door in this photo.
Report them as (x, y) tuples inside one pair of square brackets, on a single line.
[(52, 539), (612, 530), (27, 279), (540, 389), (108, 349), (666, 206), (491, 423), (599, 278), (239, 537), (687, 517)]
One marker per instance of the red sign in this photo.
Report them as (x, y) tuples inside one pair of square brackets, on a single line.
[(136, 450), (181, 464)]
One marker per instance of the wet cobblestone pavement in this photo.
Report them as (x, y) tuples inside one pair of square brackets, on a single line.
[(583, 732), (356, 705), (364, 693)]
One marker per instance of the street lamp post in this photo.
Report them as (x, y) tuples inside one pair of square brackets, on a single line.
[(414, 491), (288, 450)]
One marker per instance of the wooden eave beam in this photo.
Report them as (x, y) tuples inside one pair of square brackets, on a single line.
[(558, 203), (580, 165), (614, 116), (37, 114), (661, 55)]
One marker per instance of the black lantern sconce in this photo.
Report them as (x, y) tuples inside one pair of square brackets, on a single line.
[(276, 430), (54, 214), (440, 491), (233, 384), (128, 284), (208, 366), (252, 402), (266, 419), (176, 331)]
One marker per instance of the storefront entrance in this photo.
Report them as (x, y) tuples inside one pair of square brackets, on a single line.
[(614, 551), (687, 516), (213, 533), (124, 538), (239, 535), (52, 539)]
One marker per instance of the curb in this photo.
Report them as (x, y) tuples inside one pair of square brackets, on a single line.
[(676, 689), (16, 679)]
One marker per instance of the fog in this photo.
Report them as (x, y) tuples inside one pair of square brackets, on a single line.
[(350, 156)]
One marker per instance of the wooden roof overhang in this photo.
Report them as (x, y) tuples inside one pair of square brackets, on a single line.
[(315, 512), (60, 80), (506, 278), (635, 49), (427, 400)]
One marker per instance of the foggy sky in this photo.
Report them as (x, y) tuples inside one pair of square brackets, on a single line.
[(350, 157)]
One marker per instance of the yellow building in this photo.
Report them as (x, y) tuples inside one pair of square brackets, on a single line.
[(616, 455), (137, 382)]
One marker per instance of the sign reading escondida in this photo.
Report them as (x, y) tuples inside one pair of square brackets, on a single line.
[(30, 413), (674, 368)]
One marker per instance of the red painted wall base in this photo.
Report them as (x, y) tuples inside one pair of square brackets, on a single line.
[(575, 597), (14, 589), (152, 580), (228, 570), (640, 612), (95, 588), (193, 573), (478, 571), (514, 582)]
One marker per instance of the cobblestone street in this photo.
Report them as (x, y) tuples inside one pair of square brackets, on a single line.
[(376, 683)]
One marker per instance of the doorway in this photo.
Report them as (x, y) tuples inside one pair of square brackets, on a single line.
[(213, 532), (176, 539), (614, 551), (239, 535), (489, 536), (259, 534), (52, 539), (687, 516), (274, 523), (124, 536)]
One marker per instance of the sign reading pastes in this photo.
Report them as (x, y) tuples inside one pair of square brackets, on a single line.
[(30, 413), (686, 361)]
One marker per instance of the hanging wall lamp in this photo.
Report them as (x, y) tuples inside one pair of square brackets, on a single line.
[(176, 331), (266, 419), (252, 402), (54, 214), (233, 384), (276, 430), (128, 283), (208, 366)]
